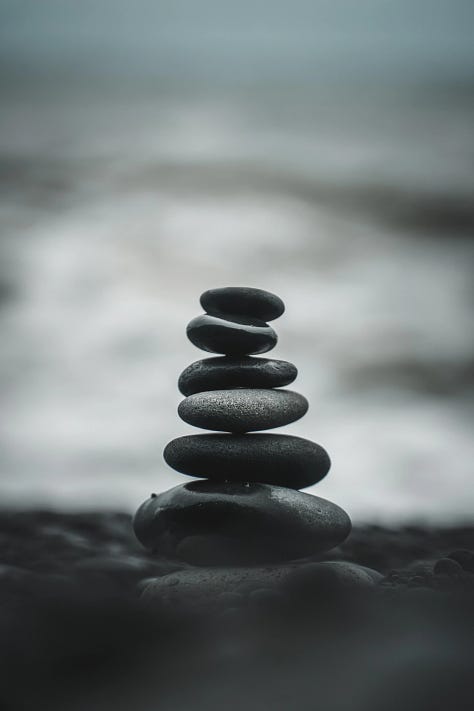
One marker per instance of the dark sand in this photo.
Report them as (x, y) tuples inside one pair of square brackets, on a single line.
[(74, 634)]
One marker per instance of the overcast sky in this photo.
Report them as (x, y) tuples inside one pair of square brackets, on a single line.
[(250, 39)]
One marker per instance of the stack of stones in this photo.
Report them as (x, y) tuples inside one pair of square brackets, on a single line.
[(245, 508)]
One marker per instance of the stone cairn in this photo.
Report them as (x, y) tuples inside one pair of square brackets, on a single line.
[(245, 508)]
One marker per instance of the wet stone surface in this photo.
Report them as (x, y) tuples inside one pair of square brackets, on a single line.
[(246, 301), (210, 523), (232, 335), (283, 460), (233, 372), (242, 410)]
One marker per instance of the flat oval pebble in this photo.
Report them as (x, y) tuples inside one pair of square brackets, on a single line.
[(283, 460), (242, 410), (243, 300), (227, 372), (210, 523), (234, 335)]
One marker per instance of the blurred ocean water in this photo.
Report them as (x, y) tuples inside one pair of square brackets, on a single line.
[(124, 196)]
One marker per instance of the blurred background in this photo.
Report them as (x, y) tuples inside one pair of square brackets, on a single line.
[(320, 149)]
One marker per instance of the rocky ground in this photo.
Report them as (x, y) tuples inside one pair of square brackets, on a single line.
[(74, 633)]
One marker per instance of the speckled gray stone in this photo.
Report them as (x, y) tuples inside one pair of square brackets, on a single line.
[(227, 372), (210, 523), (242, 410), (242, 300), (233, 335), (283, 460)]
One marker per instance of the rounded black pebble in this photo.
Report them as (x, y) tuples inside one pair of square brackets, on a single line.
[(233, 335), (242, 410), (225, 372), (447, 566), (242, 300), (209, 523), (283, 460)]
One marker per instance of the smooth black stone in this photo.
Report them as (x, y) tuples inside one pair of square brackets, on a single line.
[(242, 300), (226, 372), (209, 523), (234, 335), (282, 460), (242, 410)]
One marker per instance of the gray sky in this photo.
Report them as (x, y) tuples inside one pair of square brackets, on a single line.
[(252, 39)]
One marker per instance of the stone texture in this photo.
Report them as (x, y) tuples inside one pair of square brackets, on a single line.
[(207, 585), (282, 460), (242, 300), (233, 335), (227, 372), (242, 410), (210, 523)]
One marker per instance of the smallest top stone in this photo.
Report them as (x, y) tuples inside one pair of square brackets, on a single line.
[(244, 301)]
